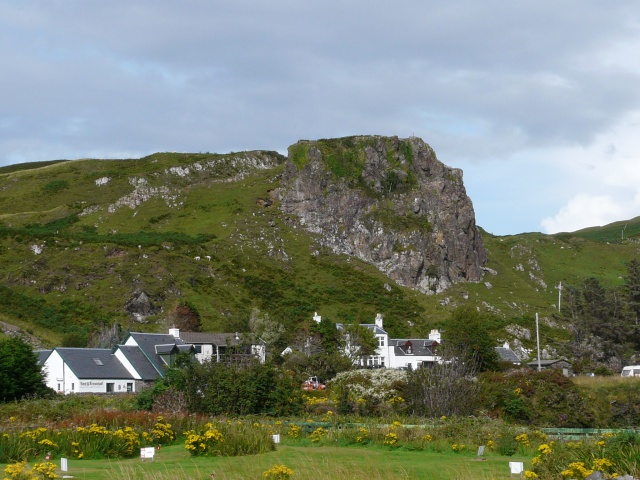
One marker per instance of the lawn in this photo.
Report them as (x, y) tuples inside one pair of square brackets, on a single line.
[(174, 462)]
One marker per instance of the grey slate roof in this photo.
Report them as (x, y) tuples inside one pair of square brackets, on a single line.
[(148, 342), (42, 356), (419, 346), (140, 362), (371, 326), (374, 328), (508, 355), (165, 349), (201, 338), (90, 363), (547, 363)]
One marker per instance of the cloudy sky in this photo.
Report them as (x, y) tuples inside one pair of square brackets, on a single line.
[(537, 101)]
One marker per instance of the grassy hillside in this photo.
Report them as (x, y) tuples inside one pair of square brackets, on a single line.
[(80, 239)]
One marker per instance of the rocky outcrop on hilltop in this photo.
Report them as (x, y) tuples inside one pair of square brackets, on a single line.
[(389, 202)]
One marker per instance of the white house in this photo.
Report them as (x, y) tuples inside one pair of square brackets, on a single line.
[(398, 352), (222, 347), (139, 361), (142, 358), (86, 370)]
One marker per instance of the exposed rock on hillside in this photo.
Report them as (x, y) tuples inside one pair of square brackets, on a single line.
[(389, 202), (140, 307)]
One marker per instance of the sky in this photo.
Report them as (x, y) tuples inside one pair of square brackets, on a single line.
[(538, 102)]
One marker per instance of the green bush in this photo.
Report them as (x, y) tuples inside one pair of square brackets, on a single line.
[(544, 398), (231, 438), (246, 388)]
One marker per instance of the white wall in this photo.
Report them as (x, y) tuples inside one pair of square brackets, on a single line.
[(61, 378), (58, 376)]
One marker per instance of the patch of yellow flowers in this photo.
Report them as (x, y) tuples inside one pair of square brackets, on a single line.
[(19, 471), (278, 472)]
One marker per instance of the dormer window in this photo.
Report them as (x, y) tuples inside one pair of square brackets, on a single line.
[(408, 348)]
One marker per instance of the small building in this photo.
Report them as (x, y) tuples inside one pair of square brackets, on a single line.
[(86, 370), (507, 355), (557, 363)]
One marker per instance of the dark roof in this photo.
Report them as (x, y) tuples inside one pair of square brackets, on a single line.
[(220, 339), (42, 356), (165, 349), (139, 361), (371, 326), (148, 342), (88, 363), (419, 346), (374, 328), (548, 362), (507, 355)]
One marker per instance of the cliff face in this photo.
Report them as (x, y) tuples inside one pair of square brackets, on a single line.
[(389, 202)]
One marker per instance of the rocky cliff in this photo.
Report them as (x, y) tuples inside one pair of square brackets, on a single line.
[(389, 202)]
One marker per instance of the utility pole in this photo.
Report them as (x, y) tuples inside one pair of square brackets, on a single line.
[(559, 295), (538, 342)]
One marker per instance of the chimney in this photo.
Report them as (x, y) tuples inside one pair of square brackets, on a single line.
[(175, 332), (379, 321), (435, 336)]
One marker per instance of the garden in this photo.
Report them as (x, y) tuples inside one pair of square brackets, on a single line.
[(102, 437)]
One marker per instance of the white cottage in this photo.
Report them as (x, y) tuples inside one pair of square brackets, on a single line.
[(399, 352), (142, 358), (86, 370)]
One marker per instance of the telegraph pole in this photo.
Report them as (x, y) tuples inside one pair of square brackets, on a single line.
[(559, 295), (538, 342)]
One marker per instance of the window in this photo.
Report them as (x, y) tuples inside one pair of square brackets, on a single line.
[(73, 386), (110, 388), (129, 387), (381, 341)]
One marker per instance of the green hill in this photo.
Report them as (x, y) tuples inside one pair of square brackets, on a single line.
[(84, 243)]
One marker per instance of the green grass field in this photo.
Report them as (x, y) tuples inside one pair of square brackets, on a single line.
[(174, 462)]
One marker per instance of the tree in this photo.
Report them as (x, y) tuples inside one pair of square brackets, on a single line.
[(446, 388), (358, 342), (20, 374), (270, 331), (214, 388), (75, 339), (468, 334), (632, 288), (328, 335), (185, 316)]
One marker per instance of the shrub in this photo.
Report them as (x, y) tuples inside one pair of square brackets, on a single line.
[(229, 439), (368, 391), (544, 398), (216, 388), (278, 472)]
